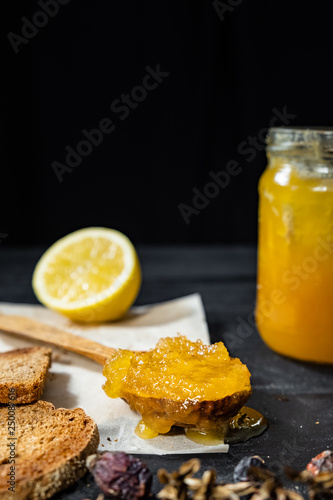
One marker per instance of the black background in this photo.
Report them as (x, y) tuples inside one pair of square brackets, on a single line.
[(228, 72)]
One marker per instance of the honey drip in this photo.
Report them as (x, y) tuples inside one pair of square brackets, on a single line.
[(246, 424)]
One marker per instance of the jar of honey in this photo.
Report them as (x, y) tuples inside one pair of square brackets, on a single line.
[(294, 309)]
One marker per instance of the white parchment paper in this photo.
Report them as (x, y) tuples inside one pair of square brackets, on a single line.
[(75, 381)]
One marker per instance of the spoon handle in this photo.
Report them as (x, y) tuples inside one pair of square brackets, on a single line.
[(30, 328)]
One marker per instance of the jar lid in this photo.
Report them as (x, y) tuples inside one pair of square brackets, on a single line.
[(315, 142)]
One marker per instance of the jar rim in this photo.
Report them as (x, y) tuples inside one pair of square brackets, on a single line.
[(313, 141)]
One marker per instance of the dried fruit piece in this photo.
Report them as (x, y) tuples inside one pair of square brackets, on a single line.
[(321, 463), (120, 475), (242, 470)]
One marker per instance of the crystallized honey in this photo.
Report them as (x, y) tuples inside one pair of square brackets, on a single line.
[(179, 382), (295, 256)]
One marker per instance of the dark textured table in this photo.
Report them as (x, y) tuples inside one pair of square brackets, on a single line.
[(296, 398)]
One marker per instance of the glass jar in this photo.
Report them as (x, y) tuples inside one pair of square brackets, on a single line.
[(294, 309)]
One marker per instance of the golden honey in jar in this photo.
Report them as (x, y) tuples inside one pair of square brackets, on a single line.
[(294, 310)]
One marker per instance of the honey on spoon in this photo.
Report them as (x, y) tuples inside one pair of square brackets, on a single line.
[(184, 384), (178, 383)]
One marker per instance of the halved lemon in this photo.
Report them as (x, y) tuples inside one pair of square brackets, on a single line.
[(90, 275)]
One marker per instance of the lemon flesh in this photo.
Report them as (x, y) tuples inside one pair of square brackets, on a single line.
[(90, 275)]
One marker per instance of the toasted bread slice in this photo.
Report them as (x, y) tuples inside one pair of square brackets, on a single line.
[(23, 374), (50, 449)]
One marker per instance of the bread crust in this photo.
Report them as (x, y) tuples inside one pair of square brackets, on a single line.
[(24, 374), (52, 448)]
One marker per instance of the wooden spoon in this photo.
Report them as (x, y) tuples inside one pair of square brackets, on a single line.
[(30, 328)]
